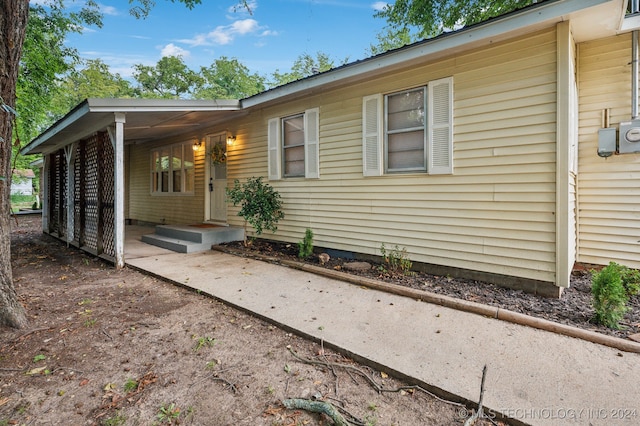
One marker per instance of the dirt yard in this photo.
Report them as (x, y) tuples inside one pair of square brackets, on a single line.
[(108, 347)]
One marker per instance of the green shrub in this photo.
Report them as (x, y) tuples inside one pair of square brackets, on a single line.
[(396, 260), (609, 297), (260, 204), (305, 247)]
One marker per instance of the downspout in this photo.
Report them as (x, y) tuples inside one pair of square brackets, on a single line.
[(634, 74), (635, 8)]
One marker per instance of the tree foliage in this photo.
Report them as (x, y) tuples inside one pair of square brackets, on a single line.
[(94, 80), (228, 79), (304, 66), (170, 78), (422, 19)]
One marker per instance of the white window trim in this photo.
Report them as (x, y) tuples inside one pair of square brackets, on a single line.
[(311, 146), (185, 146), (439, 131)]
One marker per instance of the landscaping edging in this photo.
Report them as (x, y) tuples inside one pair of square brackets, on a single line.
[(453, 303)]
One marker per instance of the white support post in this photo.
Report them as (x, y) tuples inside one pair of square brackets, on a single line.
[(117, 139), (69, 155)]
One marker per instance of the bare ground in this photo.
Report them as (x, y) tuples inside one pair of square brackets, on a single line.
[(117, 347)]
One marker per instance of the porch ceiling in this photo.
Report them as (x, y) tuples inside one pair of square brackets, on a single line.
[(145, 120)]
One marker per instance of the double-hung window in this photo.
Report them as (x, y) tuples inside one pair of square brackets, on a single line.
[(172, 169), (409, 131), (294, 146)]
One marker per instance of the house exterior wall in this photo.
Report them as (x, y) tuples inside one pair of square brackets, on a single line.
[(609, 211), (494, 214), (165, 208)]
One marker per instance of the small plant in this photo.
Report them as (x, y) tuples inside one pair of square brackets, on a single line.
[(130, 385), (260, 204), (39, 357), (168, 413), (117, 420), (305, 247), (609, 297), (396, 260), (630, 280), (90, 322), (204, 341)]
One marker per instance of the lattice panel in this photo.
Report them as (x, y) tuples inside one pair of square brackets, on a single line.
[(90, 194), (107, 195), (62, 178), (54, 192), (78, 193)]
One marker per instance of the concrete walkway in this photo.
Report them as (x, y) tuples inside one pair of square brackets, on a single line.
[(534, 376)]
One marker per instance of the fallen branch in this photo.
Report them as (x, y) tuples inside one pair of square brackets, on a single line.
[(316, 407), (480, 413), (378, 387)]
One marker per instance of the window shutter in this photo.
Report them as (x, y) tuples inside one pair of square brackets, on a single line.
[(312, 143), (440, 126), (274, 149), (372, 135)]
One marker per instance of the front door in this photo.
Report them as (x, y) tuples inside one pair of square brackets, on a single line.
[(217, 174)]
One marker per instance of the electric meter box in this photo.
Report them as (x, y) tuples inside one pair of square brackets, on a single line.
[(629, 137)]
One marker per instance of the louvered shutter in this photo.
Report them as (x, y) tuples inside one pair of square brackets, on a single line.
[(440, 126), (372, 135), (273, 137), (312, 143)]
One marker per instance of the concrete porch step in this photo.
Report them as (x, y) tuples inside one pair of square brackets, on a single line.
[(191, 238)]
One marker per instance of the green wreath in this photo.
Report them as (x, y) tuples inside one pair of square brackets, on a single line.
[(218, 154)]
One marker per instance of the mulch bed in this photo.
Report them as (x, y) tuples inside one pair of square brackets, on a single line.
[(573, 308)]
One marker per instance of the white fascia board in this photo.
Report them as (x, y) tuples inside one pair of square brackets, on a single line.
[(549, 11), (160, 105), (630, 23), (78, 112)]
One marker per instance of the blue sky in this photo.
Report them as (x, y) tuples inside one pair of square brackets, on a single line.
[(270, 38)]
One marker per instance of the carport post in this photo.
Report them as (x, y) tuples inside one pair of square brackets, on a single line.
[(118, 170)]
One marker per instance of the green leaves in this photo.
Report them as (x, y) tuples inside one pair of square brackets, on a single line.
[(260, 203)]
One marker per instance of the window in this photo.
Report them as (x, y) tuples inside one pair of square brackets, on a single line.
[(409, 131), (405, 140), (294, 146), (172, 170)]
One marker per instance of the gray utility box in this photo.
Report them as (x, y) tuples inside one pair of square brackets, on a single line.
[(629, 137)]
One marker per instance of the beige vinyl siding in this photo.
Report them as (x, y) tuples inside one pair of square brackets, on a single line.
[(159, 209), (608, 188), (494, 214)]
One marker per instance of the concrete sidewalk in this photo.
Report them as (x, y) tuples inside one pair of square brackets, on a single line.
[(535, 377)]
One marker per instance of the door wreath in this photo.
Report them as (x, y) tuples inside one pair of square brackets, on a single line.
[(218, 154)]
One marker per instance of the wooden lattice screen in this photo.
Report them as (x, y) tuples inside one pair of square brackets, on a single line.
[(93, 195), (57, 194)]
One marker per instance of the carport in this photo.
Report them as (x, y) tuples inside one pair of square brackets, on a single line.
[(84, 165)]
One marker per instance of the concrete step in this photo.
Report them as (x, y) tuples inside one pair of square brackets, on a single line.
[(191, 239)]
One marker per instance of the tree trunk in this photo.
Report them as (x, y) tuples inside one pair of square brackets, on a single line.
[(13, 23)]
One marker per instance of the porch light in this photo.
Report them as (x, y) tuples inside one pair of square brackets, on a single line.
[(231, 140), (196, 145)]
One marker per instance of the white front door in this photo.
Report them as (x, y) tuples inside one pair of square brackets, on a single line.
[(217, 175)]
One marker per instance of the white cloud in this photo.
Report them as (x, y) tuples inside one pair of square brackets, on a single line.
[(225, 34), (108, 10), (173, 50), (379, 5)]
